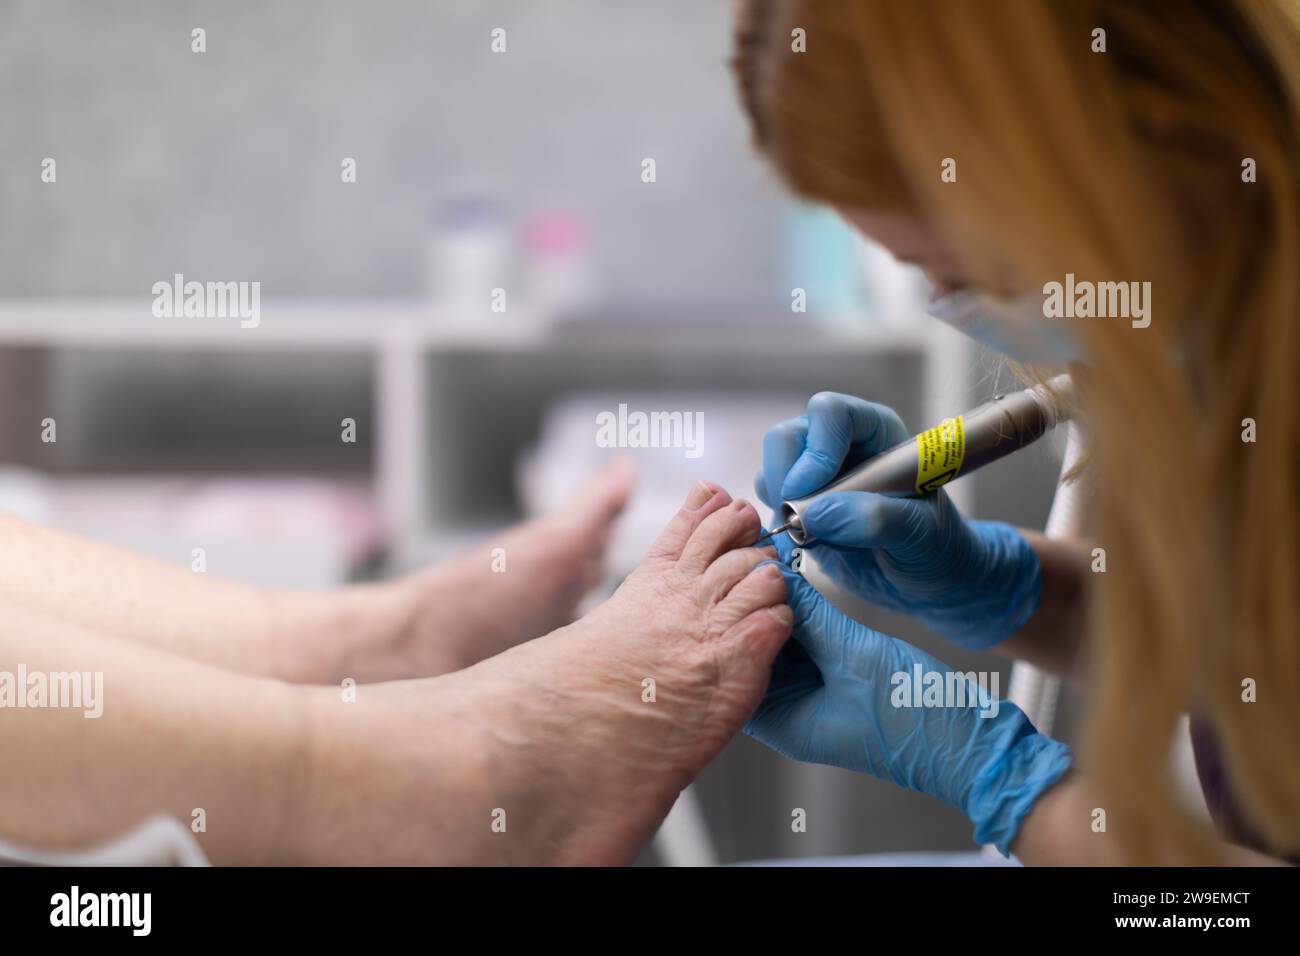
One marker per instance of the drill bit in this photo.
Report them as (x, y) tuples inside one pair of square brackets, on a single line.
[(773, 533)]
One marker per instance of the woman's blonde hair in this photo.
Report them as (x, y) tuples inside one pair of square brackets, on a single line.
[(1115, 141)]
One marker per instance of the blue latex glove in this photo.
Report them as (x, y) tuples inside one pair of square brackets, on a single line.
[(831, 701), (974, 582)]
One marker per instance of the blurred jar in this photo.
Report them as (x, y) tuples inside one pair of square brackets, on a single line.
[(560, 277), (467, 254)]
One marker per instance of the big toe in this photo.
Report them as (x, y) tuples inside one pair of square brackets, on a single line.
[(604, 495), (735, 526), (704, 500)]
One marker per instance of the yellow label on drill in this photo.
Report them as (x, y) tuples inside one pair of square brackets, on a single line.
[(939, 452)]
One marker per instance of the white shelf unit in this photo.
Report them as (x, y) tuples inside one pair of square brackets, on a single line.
[(409, 342)]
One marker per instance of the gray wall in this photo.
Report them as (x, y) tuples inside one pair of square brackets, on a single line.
[(226, 164)]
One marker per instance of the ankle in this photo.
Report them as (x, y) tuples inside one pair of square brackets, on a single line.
[(395, 775)]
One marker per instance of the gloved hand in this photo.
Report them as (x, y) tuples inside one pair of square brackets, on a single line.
[(832, 700), (974, 582)]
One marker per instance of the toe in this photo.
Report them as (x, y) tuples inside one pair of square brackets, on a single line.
[(603, 497), (734, 526), (762, 587), (754, 641), (724, 573), (705, 499)]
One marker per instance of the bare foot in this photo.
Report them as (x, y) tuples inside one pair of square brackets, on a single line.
[(521, 585), (567, 749)]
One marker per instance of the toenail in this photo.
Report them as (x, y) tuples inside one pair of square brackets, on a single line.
[(699, 496), (740, 503), (782, 613)]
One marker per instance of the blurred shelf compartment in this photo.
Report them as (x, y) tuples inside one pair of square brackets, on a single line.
[(435, 370), (305, 325)]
